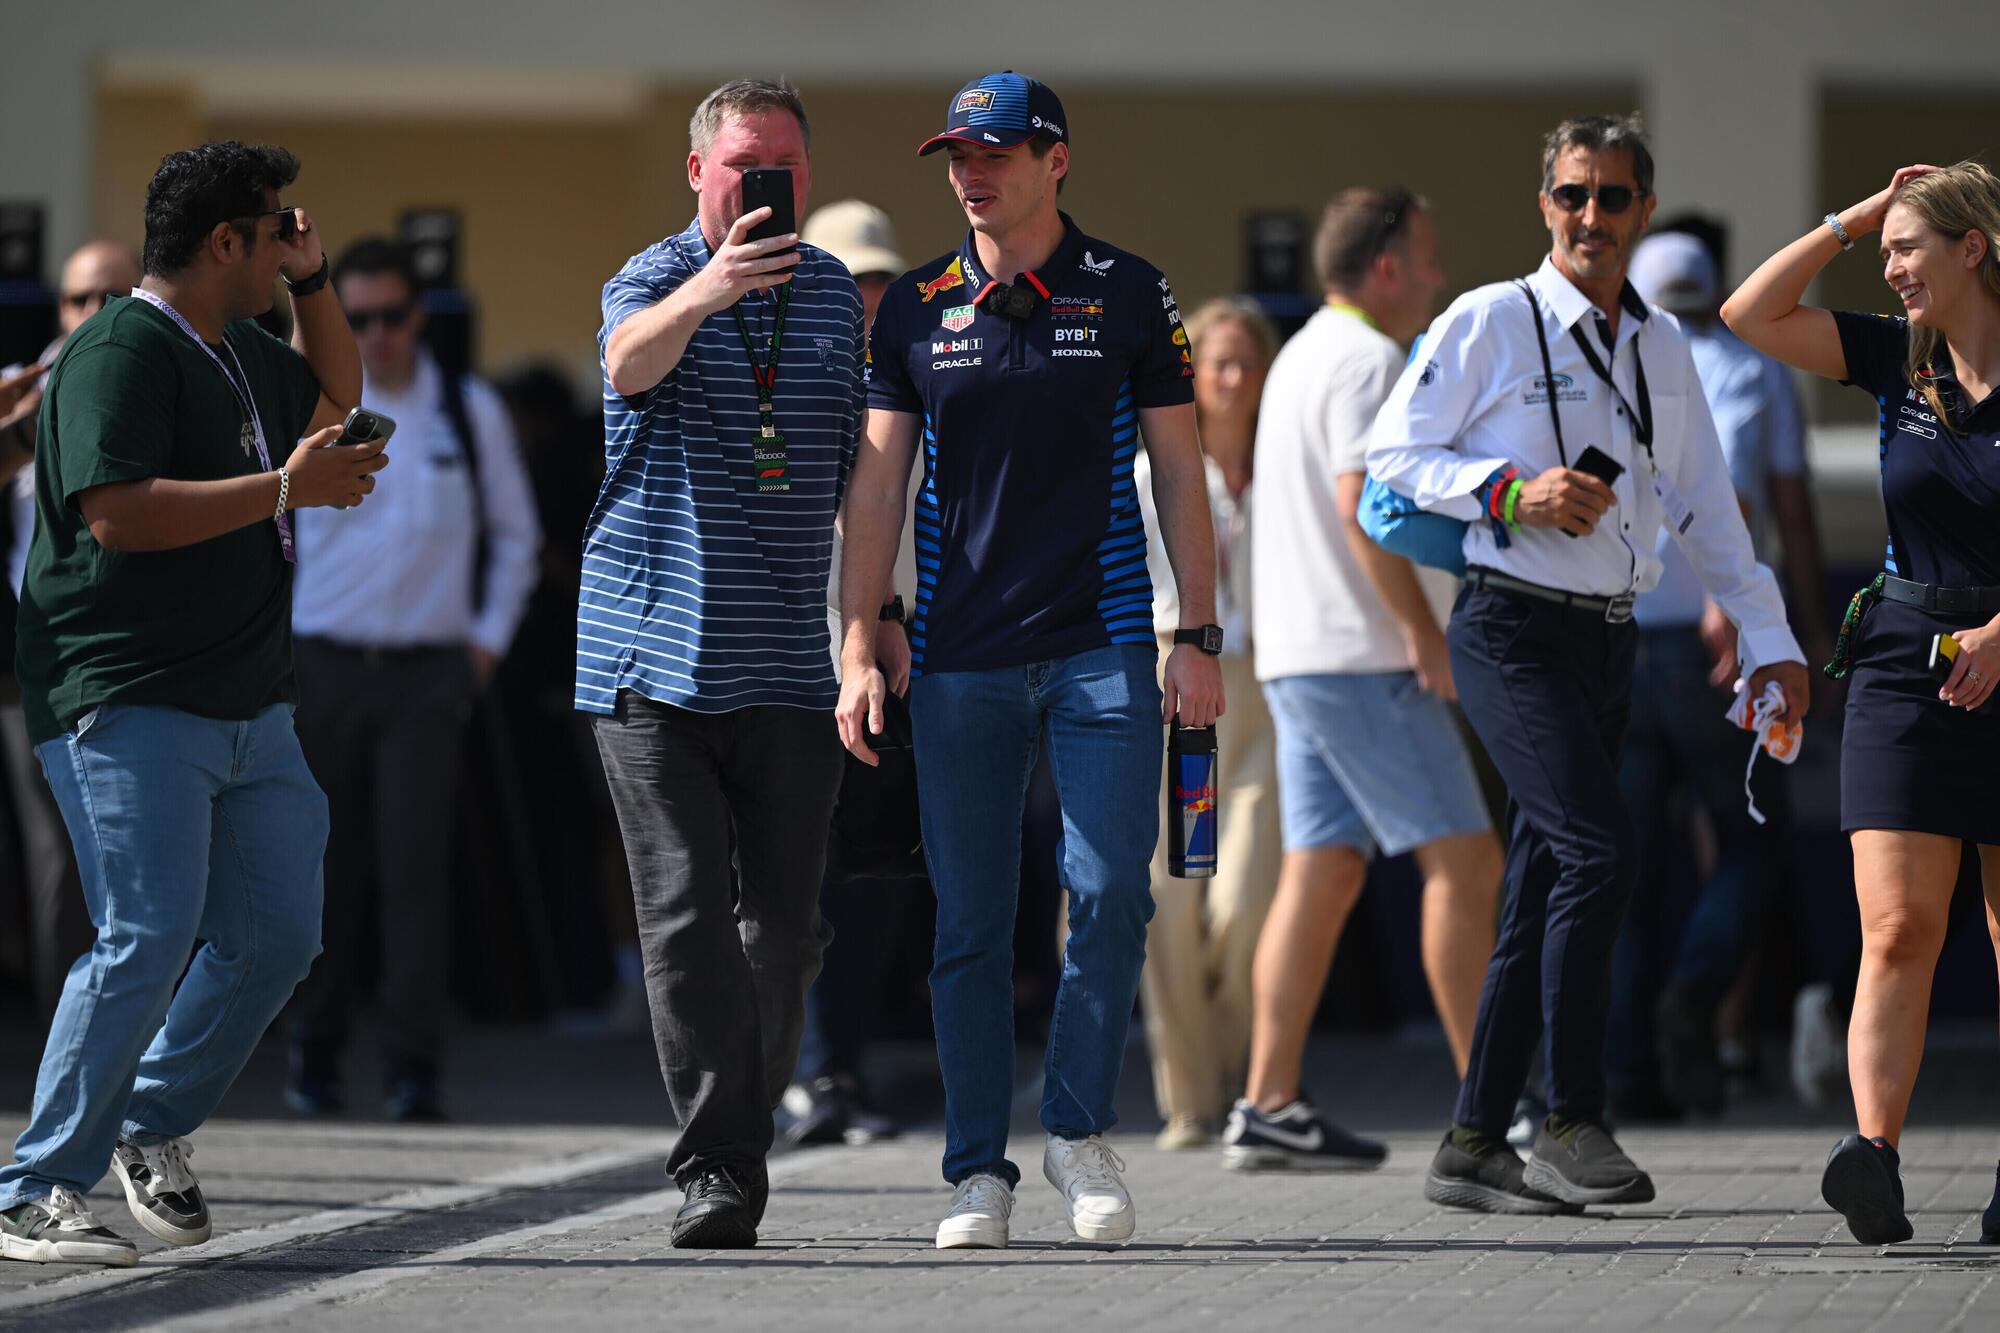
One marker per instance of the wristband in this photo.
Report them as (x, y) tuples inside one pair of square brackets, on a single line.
[(1833, 220), (284, 494), (1507, 507), (307, 286)]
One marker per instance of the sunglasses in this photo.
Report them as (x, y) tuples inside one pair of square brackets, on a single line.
[(288, 220), (1610, 198), (390, 317), (83, 300), (1395, 209)]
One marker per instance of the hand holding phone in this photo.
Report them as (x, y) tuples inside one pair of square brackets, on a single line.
[(1945, 651), (365, 426), (771, 187), (1600, 465)]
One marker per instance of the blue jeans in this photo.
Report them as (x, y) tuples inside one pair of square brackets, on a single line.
[(186, 829), (977, 733)]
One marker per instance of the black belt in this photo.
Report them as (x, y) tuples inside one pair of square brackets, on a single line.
[(1945, 601), (1616, 610)]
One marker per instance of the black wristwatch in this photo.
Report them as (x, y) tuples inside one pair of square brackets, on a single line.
[(1208, 638), (307, 286), (893, 609)]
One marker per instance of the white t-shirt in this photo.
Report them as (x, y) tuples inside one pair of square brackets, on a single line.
[(1230, 515), (1315, 610)]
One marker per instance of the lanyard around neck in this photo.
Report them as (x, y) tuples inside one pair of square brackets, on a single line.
[(1642, 420), (239, 384), (1356, 311), (765, 375)]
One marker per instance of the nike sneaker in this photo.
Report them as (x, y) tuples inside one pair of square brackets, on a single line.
[(1294, 1138)]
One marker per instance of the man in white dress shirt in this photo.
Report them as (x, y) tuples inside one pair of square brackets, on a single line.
[(403, 609), (1482, 427)]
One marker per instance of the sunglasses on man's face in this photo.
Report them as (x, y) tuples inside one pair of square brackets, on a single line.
[(288, 220), (390, 317), (1610, 198)]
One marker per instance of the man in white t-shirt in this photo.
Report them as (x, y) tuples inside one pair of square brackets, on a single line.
[(1353, 661)]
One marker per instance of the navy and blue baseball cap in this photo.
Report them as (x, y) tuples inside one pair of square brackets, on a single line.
[(1002, 110)]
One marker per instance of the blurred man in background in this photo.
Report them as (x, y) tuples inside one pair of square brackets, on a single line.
[(1680, 752), (828, 1101), (402, 612), (58, 924), (1353, 660)]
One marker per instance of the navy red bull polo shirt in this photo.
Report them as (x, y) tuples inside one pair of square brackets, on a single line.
[(1029, 541)]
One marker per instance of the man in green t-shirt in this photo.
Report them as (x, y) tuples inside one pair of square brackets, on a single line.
[(154, 656)]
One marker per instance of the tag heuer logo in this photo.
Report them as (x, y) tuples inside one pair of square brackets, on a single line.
[(958, 317)]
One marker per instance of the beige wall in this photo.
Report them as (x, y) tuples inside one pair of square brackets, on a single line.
[(1865, 136), (552, 209)]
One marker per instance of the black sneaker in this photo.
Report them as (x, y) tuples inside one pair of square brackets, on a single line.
[(1585, 1165), (1296, 1138), (1690, 1067), (413, 1100), (1989, 1222), (717, 1213), (312, 1084), (1863, 1182), (60, 1230), (161, 1191), (834, 1109), (1486, 1177)]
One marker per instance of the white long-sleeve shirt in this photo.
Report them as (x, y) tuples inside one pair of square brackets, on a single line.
[(1475, 399), (396, 570)]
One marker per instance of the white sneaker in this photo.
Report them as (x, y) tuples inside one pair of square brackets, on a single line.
[(977, 1220), (60, 1229), (1819, 1046), (161, 1190), (1086, 1171)]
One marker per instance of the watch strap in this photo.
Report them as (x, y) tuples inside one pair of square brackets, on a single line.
[(307, 286)]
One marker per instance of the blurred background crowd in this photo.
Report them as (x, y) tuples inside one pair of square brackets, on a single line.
[(511, 157)]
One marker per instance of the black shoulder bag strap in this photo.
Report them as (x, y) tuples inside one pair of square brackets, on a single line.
[(1548, 368), (468, 448)]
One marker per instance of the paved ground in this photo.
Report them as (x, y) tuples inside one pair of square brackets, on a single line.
[(547, 1208)]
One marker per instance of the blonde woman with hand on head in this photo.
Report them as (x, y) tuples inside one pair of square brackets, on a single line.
[(1917, 744)]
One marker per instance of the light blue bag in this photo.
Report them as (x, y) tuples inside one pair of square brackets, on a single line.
[(1394, 523)]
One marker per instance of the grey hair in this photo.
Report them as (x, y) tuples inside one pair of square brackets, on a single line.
[(1596, 134), (743, 97)]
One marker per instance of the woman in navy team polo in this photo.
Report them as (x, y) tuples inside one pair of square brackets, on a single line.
[(1916, 761)]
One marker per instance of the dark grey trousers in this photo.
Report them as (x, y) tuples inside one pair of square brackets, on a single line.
[(59, 928), (384, 732), (728, 956)]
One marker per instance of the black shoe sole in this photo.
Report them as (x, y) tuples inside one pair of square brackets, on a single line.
[(726, 1229), (1856, 1186), (1260, 1157), (1541, 1176), (1473, 1197)]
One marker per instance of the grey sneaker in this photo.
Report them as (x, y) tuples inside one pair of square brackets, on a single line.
[(1486, 1179), (1585, 1165), (60, 1230), (161, 1191)]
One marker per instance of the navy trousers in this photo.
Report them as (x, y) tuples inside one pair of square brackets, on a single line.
[(1548, 689)]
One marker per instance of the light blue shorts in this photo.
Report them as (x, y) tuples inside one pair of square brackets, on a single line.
[(1370, 761)]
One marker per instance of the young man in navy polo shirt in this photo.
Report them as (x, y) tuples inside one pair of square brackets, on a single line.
[(1028, 362)]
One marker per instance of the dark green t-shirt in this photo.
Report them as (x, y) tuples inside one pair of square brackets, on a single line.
[(206, 628)]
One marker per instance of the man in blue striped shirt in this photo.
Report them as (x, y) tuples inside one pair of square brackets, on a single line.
[(733, 394)]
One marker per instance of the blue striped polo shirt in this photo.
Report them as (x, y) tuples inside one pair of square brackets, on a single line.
[(698, 590)]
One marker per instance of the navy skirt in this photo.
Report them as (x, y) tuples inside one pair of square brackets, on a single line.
[(1909, 760)]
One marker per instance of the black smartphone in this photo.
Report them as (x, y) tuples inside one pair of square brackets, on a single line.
[(1599, 465), (770, 187), (365, 426)]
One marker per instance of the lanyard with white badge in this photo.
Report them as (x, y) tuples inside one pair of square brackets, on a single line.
[(1677, 510), (253, 429)]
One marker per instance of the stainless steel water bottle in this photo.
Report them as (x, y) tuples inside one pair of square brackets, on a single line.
[(1191, 803)]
